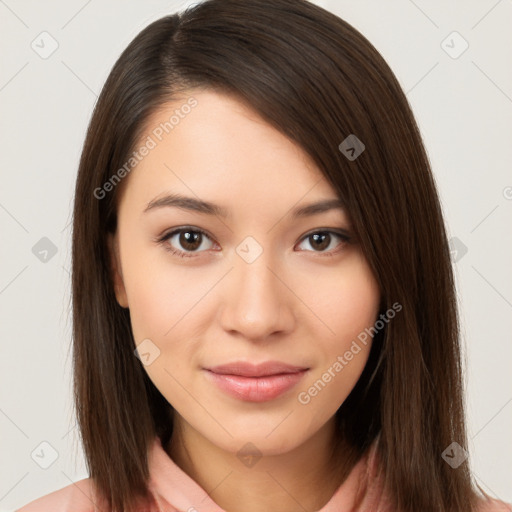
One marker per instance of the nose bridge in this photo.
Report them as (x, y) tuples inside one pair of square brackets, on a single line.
[(257, 303)]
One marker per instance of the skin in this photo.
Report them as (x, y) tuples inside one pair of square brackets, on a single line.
[(299, 302)]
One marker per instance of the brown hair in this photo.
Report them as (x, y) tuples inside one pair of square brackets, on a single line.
[(317, 80)]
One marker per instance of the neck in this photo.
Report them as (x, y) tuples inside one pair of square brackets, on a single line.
[(302, 479)]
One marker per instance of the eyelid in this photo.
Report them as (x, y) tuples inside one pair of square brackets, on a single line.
[(168, 234), (343, 233)]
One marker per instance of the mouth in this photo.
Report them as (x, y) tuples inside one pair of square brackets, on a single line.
[(255, 383)]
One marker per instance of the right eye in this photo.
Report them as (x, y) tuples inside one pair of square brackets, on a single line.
[(189, 239)]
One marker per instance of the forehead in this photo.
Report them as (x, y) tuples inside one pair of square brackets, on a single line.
[(211, 145)]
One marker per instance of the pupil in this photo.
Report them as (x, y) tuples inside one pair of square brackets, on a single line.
[(323, 238), (188, 240)]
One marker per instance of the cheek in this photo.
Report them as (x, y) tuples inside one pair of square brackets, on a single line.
[(161, 300), (162, 296), (347, 301), (349, 307), (154, 306)]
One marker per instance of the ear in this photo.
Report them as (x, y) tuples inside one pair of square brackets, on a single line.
[(115, 269)]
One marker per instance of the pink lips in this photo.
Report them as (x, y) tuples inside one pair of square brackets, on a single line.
[(255, 383)]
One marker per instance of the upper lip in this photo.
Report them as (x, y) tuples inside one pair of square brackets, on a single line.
[(245, 369)]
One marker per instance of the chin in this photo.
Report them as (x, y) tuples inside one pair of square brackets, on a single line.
[(267, 437), (257, 443)]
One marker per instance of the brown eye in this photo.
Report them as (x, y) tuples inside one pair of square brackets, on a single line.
[(190, 240), (186, 241), (319, 241)]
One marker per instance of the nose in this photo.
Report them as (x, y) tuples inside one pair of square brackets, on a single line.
[(257, 302)]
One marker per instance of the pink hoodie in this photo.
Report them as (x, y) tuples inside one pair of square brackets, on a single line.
[(174, 491)]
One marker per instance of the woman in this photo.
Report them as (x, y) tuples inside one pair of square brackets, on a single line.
[(264, 307)]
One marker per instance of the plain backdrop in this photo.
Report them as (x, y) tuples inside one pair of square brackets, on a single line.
[(452, 60)]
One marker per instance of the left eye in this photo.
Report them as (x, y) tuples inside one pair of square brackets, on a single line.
[(321, 240)]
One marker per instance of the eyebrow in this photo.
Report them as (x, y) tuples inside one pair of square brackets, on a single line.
[(208, 208)]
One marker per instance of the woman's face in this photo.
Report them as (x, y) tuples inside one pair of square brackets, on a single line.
[(275, 297)]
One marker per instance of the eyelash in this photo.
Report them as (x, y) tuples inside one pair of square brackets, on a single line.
[(182, 254)]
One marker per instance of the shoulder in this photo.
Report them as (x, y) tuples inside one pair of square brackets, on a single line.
[(487, 504), (76, 497)]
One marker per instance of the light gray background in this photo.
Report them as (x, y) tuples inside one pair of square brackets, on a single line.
[(463, 106)]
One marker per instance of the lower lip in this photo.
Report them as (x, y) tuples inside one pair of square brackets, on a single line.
[(256, 389)]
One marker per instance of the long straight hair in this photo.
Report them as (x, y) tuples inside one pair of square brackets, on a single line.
[(316, 79)]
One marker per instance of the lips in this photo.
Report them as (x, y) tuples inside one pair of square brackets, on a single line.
[(255, 382)]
